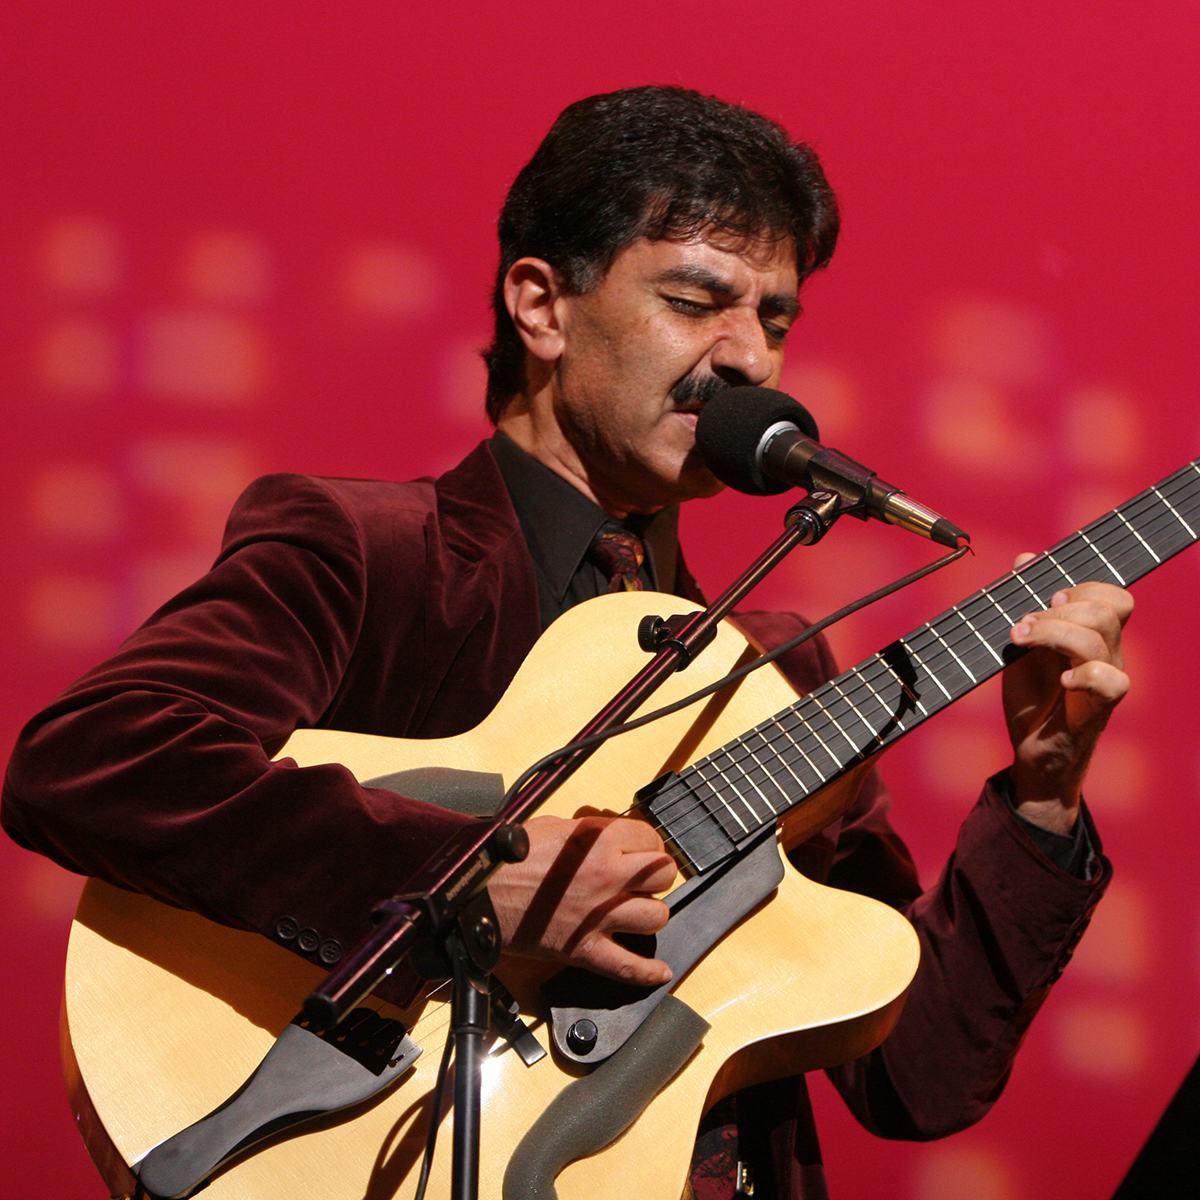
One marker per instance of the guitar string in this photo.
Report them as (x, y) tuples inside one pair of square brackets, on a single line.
[(788, 799), (1129, 543), (1180, 485)]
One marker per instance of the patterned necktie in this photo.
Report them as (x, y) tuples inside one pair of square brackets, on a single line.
[(619, 554)]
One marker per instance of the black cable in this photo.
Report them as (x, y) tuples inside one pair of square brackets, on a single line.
[(435, 1118), (733, 677)]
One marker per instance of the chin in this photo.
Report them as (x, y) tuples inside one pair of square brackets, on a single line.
[(697, 482)]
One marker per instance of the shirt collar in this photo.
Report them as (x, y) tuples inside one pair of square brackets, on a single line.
[(559, 521)]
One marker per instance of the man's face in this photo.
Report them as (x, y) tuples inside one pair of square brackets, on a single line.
[(671, 323)]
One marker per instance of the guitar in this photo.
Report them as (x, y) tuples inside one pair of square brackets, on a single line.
[(166, 1014)]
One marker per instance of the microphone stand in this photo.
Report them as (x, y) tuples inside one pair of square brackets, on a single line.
[(448, 926)]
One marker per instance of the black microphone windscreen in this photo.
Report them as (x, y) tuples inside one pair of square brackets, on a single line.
[(731, 426)]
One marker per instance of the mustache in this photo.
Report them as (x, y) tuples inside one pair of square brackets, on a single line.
[(693, 389)]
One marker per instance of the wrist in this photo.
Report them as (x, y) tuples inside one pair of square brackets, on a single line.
[(1053, 814)]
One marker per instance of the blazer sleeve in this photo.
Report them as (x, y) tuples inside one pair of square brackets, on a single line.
[(151, 772)]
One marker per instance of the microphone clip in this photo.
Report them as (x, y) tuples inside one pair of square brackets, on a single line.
[(816, 513)]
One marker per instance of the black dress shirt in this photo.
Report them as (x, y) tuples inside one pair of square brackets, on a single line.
[(559, 523)]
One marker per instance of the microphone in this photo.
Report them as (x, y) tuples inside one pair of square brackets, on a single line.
[(762, 442)]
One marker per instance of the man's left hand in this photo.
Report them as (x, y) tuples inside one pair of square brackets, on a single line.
[(1057, 698)]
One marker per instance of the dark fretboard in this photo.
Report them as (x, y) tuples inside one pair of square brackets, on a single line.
[(723, 799)]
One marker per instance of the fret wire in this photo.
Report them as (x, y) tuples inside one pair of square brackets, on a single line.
[(748, 753), (875, 670), (928, 672), (725, 842), (792, 738), (752, 745), (677, 833), (1115, 534), (982, 640), (770, 805), (1018, 594), (1041, 572), (984, 617), (962, 665), (924, 641), (1049, 585), (828, 713), (702, 814), (913, 696), (1103, 558), (749, 746), (883, 705), (1117, 541), (733, 787), (777, 729), (1091, 557), (1190, 498), (968, 654), (1151, 500), (1066, 573), (1165, 515), (855, 675), (1145, 517), (1186, 489), (781, 730), (824, 745), (1019, 578), (836, 685), (1163, 530), (698, 769), (1184, 493), (859, 681), (884, 672), (1131, 559), (955, 629), (987, 594), (1121, 518), (715, 805), (768, 733)]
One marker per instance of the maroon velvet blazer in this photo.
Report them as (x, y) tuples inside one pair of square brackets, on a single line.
[(405, 609)]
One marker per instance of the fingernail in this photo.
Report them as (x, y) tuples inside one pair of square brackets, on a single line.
[(1067, 678), (1058, 598), (1021, 630)]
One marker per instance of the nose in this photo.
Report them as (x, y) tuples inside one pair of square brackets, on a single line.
[(743, 353)]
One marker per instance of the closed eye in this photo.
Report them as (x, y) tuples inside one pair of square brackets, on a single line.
[(689, 306)]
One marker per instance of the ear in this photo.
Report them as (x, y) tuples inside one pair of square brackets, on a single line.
[(531, 291)]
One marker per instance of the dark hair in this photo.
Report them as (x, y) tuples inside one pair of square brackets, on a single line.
[(653, 162)]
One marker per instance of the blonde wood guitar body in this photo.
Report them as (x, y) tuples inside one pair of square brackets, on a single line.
[(166, 1014)]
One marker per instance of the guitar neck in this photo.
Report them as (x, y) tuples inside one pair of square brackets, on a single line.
[(720, 801)]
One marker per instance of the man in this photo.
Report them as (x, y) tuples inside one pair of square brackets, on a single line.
[(651, 253)]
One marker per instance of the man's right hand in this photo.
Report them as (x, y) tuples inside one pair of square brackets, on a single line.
[(583, 881)]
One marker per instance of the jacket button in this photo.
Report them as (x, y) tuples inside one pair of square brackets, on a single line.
[(308, 940), (287, 929), (330, 952)]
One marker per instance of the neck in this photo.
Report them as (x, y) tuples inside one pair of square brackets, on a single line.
[(544, 440)]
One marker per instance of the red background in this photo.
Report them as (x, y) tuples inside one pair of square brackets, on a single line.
[(239, 241)]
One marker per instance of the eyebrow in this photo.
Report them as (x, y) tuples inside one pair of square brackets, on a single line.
[(697, 276)]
